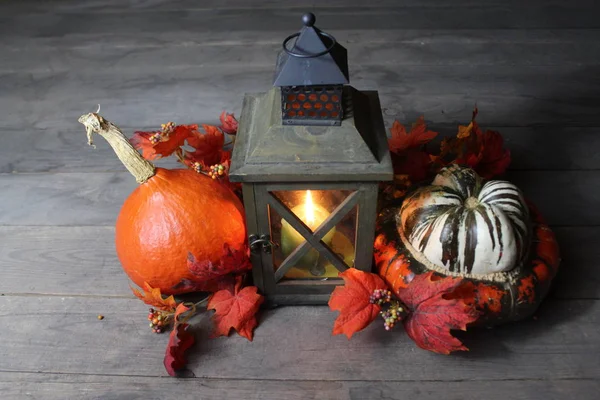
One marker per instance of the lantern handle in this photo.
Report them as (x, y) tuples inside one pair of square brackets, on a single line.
[(309, 20)]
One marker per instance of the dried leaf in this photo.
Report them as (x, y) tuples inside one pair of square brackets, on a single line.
[(417, 136), (353, 301), (464, 131), (235, 309), (229, 124), (157, 144), (180, 340), (433, 315), (154, 298)]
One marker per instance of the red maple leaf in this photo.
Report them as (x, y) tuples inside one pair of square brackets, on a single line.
[(417, 136), (233, 261), (212, 277), (214, 285), (412, 162), (353, 301), (157, 144), (154, 298), (229, 124), (180, 340), (494, 159), (432, 315), (208, 145), (235, 309)]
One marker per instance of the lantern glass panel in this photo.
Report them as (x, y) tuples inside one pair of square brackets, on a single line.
[(314, 208)]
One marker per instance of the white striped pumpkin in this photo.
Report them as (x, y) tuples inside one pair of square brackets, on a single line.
[(464, 226)]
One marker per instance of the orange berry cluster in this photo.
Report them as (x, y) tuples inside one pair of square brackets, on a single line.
[(198, 167), (158, 321), (157, 137), (216, 171), (168, 127)]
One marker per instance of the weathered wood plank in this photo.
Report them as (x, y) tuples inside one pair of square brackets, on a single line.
[(15, 385), (112, 6), (563, 343), (376, 47), (439, 16), (58, 150), (82, 261), (61, 260), (564, 197), (506, 96)]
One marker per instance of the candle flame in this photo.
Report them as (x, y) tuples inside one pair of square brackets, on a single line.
[(309, 210)]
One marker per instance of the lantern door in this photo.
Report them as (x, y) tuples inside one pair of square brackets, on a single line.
[(307, 233)]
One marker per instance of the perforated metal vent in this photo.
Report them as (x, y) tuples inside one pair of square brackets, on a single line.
[(312, 105)]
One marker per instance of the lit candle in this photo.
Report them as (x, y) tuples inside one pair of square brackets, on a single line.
[(313, 216)]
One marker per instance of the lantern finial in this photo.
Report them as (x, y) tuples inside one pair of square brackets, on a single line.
[(309, 19)]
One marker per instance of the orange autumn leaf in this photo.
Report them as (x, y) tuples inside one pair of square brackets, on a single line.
[(154, 298), (418, 135), (353, 301), (235, 309), (433, 312)]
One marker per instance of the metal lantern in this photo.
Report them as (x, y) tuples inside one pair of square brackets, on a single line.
[(311, 75), (310, 189)]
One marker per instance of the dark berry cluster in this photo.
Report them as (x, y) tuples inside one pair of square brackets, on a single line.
[(380, 296), (391, 316), (158, 320), (216, 171)]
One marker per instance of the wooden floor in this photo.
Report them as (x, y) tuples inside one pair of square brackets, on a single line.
[(532, 68)]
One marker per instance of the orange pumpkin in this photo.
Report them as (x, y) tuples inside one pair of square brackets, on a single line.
[(171, 214)]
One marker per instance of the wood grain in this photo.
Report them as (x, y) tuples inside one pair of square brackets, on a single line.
[(16, 385), (63, 335), (531, 67), (506, 96), (112, 6), (58, 150), (397, 48), (68, 199), (82, 261), (189, 22)]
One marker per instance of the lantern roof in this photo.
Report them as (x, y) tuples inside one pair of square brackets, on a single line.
[(267, 151), (315, 58)]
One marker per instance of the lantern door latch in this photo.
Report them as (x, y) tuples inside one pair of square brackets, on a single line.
[(258, 243)]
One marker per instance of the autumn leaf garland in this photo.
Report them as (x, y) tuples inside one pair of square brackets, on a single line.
[(426, 308), (427, 315), (208, 156)]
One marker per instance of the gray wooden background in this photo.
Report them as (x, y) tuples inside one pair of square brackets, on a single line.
[(532, 67)]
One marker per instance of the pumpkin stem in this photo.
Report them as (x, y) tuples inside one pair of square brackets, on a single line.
[(140, 168), (472, 202)]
